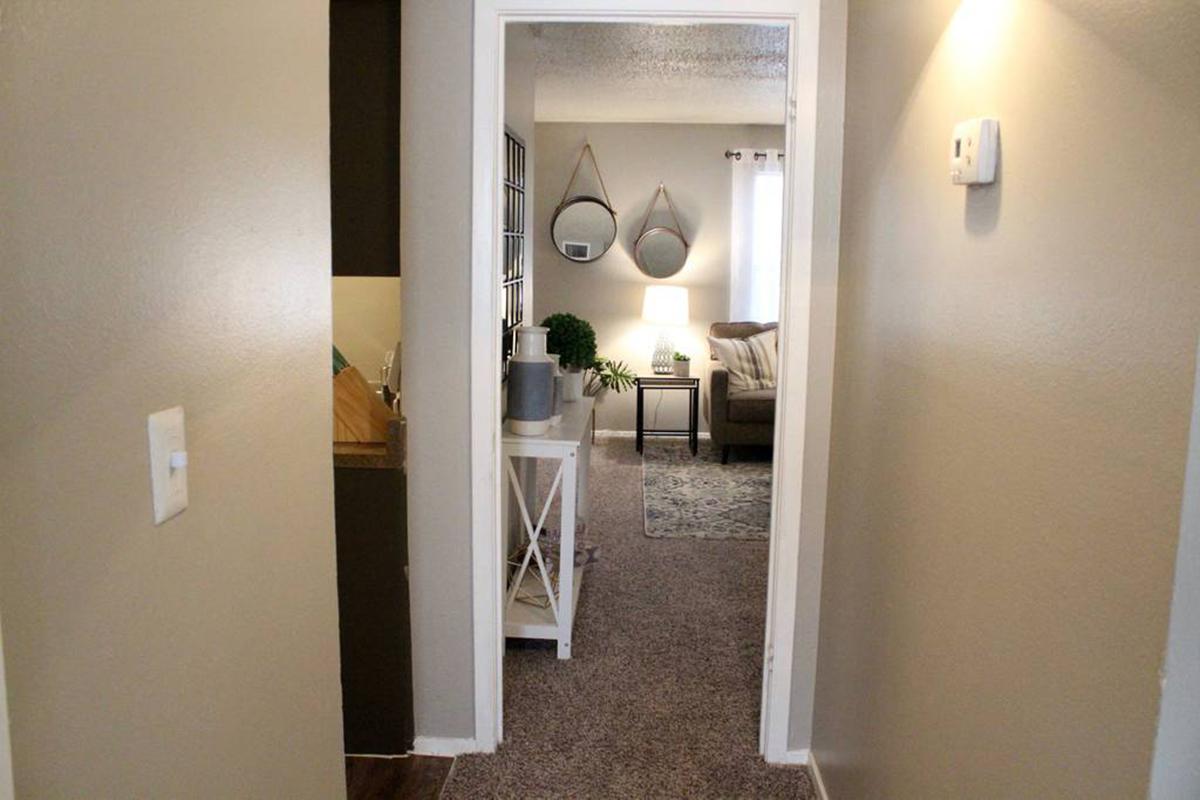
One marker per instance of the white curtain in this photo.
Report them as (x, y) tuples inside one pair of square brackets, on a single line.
[(756, 238)]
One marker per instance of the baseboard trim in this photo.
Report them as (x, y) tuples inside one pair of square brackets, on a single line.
[(443, 746), (793, 757), (378, 755), (818, 781)]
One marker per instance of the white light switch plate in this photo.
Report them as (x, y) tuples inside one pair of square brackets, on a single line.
[(169, 483)]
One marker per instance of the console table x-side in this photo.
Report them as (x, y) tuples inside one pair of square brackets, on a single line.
[(539, 604)]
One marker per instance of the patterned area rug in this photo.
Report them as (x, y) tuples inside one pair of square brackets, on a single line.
[(697, 496)]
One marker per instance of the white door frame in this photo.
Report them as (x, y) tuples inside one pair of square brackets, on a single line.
[(805, 344), (6, 773)]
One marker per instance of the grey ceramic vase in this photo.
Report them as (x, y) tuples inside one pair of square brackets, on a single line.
[(530, 384)]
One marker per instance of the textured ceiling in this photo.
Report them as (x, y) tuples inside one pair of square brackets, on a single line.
[(621, 72)]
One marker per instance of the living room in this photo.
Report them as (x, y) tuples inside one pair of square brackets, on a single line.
[(642, 207)]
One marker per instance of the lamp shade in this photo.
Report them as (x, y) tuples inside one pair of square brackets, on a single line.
[(665, 305)]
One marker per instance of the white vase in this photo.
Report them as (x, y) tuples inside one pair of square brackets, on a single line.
[(530, 384), (683, 369), (556, 396), (572, 385)]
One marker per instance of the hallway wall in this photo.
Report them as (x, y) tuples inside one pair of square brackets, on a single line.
[(1012, 395), (435, 249), (165, 239)]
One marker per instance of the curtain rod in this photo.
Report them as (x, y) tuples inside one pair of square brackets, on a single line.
[(757, 155)]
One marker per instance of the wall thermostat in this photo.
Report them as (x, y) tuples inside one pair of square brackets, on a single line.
[(973, 151)]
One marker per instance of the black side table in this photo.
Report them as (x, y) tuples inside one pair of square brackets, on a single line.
[(658, 382)]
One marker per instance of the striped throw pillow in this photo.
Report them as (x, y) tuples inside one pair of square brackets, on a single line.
[(750, 361)]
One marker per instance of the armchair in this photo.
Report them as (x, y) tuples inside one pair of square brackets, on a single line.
[(741, 418)]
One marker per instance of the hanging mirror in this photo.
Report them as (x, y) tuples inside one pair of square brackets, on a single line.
[(584, 226), (660, 251)]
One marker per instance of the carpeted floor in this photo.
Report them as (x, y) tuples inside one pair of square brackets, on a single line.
[(661, 698)]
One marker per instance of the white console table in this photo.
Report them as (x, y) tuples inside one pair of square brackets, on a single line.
[(568, 444)]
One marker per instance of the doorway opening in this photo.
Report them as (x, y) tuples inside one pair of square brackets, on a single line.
[(801, 390), (644, 258)]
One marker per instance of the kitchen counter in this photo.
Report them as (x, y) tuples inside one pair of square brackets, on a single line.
[(370, 508), (374, 455)]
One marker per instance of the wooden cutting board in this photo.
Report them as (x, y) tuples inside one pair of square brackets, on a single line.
[(358, 413)]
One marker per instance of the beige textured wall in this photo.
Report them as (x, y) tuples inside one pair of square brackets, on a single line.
[(435, 248), (608, 292), (366, 320), (1013, 388), (165, 239)]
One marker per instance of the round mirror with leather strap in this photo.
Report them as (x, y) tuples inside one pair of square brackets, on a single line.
[(584, 226), (661, 251)]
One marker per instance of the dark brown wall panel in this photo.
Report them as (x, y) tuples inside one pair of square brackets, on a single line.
[(364, 110)]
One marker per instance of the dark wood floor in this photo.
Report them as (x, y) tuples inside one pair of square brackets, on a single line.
[(411, 777)]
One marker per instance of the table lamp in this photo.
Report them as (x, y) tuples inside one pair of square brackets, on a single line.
[(665, 307)]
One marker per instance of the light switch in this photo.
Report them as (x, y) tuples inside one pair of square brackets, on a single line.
[(168, 463)]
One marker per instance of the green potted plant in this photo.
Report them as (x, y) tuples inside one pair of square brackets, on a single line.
[(682, 365), (607, 374), (574, 340)]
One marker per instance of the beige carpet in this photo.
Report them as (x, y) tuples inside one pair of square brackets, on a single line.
[(661, 698)]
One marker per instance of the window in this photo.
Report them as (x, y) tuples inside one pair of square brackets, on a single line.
[(766, 246), (756, 237), (512, 275)]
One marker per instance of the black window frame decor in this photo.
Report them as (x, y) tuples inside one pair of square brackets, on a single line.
[(512, 261)]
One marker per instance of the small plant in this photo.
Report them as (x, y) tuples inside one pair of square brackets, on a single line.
[(573, 339), (605, 374), (682, 356)]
